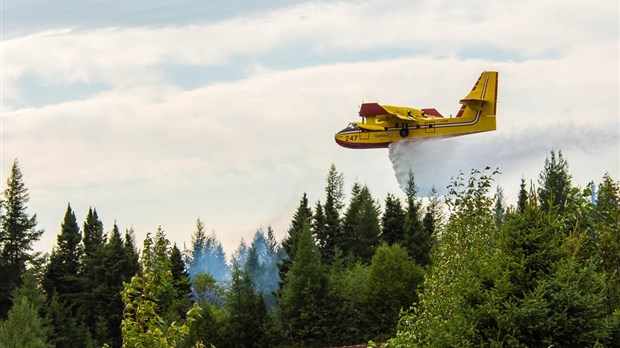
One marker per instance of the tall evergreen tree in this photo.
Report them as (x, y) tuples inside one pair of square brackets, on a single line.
[(246, 309), (392, 220), (330, 239), (361, 225), (433, 217), (301, 218), (62, 273), (499, 208), (555, 183), (523, 197), (180, 279), (301, 307), (17, 234), (93, 233), (416, 239)]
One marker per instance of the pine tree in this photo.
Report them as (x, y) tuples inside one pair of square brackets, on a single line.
[(62, 273), (17, 234), (392, 220), (499, 208), (433, 217), (555, 183)]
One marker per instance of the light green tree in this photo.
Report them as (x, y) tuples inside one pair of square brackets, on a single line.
[(143, 322)]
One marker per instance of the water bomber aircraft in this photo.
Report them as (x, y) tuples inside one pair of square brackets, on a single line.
[(382, 125)]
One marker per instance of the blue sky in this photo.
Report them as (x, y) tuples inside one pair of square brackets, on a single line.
[(157, 113)]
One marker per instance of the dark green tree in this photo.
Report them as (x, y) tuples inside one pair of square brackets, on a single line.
[(17, 234), (555, 183), (62, 275), (246, 309), (24, 326), (393, 220), (392, 285), (330, 238), (361, 225), (180, 277), (301, 218), (94, 237), (416, 240), (523, 197), (433, 217), (301, 309)]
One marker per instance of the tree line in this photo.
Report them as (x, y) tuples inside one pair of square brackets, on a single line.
[(465, 270)]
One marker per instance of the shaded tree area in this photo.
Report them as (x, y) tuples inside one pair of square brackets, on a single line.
[(547, 275), (475, 271)]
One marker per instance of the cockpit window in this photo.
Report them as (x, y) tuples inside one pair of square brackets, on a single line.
[(350, 127)]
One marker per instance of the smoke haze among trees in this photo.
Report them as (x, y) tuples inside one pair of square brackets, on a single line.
[(414, 270)]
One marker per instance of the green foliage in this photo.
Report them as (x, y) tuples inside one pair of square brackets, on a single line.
[(330, 235), (24, 327), (417, 239), (392, 220), (246, 311), (301, 309), (532, 284), (555, 183), (361, 225), (147, 298), (62, 275), (17, 234), (392, 285)]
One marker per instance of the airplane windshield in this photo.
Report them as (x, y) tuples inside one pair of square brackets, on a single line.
[(350, 127)]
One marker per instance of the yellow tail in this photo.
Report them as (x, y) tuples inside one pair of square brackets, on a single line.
[(482, 100)]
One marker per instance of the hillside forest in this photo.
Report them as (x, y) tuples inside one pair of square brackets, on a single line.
[(466, 269)]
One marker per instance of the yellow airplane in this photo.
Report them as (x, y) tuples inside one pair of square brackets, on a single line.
[(382, 125)]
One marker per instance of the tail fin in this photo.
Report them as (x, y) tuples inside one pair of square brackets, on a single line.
[(483, 97)]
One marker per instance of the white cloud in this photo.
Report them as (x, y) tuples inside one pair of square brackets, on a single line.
[(240, 153)]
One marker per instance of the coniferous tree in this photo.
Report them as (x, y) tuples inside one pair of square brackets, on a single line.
[(180, 278), (499, 208), (361, 225), (93, 233), (246, 309), (393, 220), (24, 326), (555, 183), (416, 240), (331, 238), (17, 234), (301, 309), (523, 197), (62, 273), (301, 218)]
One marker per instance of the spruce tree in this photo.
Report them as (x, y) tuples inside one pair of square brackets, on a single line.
[(62, 273), (392, 220), (301, 309), (17, 234), (180, 278), (301, 218), (331, 238), (523, 197), (246, 309), (93, 233), (416, 240), (361, 225), (555, 183)]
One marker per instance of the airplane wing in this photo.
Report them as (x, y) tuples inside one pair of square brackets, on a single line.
[(388, 111)]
